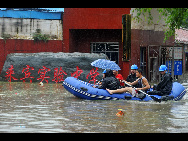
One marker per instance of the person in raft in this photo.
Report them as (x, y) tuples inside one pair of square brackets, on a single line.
[(109, 81), (119, 77), (132, 77), (142, 84), (165, 85)]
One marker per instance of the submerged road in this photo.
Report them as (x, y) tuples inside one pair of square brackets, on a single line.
[(26, 107)]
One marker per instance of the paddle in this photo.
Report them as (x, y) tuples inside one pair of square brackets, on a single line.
[(154, 98)]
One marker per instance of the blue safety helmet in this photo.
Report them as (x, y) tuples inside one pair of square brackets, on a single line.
[(134, 67), (104, 71), (162, 68)]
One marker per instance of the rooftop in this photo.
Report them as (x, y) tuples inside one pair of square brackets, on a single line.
[(30, 14), (181, 35)]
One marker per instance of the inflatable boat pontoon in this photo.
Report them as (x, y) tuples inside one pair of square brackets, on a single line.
[(85, 90)]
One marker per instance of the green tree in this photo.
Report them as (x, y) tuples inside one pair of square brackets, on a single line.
[(174, 18), (185, 23)]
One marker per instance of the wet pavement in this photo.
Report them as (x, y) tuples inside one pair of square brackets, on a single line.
[(29, 107)]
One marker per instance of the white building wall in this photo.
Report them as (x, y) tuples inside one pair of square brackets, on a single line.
[(24, 28), (143, 25)]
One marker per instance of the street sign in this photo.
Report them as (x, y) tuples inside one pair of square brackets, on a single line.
[(177, 67), (169, 66)]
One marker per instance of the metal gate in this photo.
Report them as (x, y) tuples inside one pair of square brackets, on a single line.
[(169, 56), (153, 62), (143, 60), (111, 49)]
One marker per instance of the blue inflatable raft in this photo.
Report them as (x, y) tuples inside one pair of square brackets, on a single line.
[(85, 90)]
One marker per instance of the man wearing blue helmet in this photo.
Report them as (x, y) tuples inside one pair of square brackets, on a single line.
[(165, 85), (132, 77), (142, 85)]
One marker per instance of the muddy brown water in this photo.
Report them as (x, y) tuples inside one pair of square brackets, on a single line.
[(28, 107)]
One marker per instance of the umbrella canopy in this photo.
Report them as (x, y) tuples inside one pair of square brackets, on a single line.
[(105, 64)]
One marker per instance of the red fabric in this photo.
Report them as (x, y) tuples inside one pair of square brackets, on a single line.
[(120, 77)]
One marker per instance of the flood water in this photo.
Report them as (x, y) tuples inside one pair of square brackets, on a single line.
[(26, 107)]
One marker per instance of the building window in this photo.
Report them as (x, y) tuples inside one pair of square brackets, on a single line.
[(111, 49)]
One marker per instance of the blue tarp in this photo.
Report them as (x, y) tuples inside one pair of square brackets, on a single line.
[(31, 14)]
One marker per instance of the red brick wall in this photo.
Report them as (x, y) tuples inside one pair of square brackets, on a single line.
[(90, 18), (27, 46), (84, 25)]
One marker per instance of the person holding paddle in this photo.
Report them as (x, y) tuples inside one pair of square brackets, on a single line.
[(142, 84), (165, 85)]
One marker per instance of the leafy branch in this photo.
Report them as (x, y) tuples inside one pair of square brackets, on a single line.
[(174, 18)]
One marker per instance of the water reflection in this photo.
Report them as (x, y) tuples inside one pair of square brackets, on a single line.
[(26, 107)]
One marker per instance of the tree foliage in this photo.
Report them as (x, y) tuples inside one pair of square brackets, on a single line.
[(174, 18)]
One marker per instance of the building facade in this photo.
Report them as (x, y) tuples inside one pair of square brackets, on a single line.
[(87, 30), (95, 30), (99, 30)]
